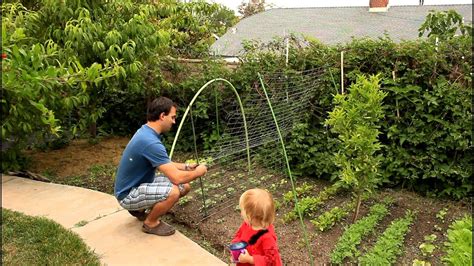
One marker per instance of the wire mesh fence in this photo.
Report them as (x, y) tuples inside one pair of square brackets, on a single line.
[(232, 171)]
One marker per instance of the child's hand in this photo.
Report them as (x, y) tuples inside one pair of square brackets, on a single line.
[(245, 257)]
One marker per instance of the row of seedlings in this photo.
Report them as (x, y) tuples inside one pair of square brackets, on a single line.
[(308, 204), (347, 244), (329, 218), (429, 246), (390, 244)]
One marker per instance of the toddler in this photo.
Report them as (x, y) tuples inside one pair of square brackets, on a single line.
[(258, 212)]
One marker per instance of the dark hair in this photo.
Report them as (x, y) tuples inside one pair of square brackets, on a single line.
[(158, 106)]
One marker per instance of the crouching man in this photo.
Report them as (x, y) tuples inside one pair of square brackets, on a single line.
[(137, 185)]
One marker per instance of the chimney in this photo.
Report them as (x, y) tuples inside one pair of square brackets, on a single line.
[(378, 6)]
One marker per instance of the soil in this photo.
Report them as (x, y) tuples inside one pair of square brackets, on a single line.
[(213, 227)]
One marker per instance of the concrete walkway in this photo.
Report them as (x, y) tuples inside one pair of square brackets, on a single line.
[(107, 228)]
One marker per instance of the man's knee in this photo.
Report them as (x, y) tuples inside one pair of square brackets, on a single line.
[(185, 190), (174, 193)]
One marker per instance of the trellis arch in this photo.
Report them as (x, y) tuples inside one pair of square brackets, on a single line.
[(278, 125), (191, 104)]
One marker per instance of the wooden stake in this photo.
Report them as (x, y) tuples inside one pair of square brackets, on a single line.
[(396, 100), (342, 72)]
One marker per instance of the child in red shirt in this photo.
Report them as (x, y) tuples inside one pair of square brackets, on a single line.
[(258, 212)]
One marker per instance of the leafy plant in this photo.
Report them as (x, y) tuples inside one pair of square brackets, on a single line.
[(42, 82), (209, 161), (87, 67), (184, 200), (208, 203), (317, 158), (302, 190), (424, 133), (247, 9), (459, 245), (329, 218), (441, 214), (417, 262), (428, 247), (195, 25)]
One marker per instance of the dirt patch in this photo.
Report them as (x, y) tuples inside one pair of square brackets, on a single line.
[(81, 160), (78, 157)]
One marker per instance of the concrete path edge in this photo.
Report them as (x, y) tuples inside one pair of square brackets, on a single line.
[(103, 225)]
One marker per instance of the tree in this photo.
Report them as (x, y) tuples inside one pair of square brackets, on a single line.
[(67, 58), (72, 64), (42, 82), (246, 9), (444, 25), (355, 119), (194, 26)]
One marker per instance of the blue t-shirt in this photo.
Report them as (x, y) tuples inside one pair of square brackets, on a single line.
[(143, 154)]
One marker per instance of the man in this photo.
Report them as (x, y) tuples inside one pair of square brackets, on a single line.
[(137, 187)]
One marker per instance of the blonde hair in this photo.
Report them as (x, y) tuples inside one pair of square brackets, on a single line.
[(258, 207)]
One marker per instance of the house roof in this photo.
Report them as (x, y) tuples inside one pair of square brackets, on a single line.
[(330, 25)]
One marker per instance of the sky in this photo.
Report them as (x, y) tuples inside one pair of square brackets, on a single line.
[(233, 4)]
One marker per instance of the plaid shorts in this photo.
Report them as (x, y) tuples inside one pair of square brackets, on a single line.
[(147, 194)]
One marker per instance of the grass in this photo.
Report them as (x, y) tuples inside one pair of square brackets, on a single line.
[(30, 240)]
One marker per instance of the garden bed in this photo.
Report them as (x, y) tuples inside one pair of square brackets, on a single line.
[(93, 165)]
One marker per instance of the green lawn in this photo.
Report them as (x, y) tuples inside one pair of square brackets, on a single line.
[(30, 240)]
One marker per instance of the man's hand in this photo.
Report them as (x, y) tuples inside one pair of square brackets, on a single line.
[(191, 166), (201, 168)]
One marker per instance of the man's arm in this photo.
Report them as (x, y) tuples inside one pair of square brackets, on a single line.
[(180, 166), (185, 167), (177, 176)]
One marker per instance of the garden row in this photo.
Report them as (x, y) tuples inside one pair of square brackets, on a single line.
[(377, 237), (388, 245)]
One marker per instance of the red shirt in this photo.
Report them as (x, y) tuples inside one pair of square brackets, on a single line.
[(264, 251)]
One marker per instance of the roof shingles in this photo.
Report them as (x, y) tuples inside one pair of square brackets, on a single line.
[(331, 24)]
